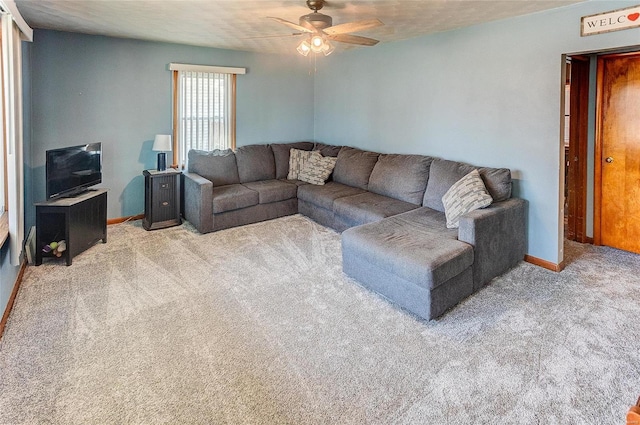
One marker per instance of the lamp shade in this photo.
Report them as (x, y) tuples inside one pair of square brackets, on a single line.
[(304, 48), (162, 142)]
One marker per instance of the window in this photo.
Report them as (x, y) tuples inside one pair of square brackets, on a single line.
[(203, 108), (12, 174)]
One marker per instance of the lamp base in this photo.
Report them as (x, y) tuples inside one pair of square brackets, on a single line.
[(162, 161)]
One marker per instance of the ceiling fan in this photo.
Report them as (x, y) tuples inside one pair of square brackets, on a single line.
[(320, 29)]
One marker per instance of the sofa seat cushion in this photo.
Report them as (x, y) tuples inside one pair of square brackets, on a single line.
[(296, 182), (408, 250), (402, 177), (324, 195), (233, 197), (369, 207), (431, 221), (273, 190)]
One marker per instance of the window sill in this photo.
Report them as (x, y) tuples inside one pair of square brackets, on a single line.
[(4, 228)]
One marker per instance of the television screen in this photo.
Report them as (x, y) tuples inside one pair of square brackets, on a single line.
[(72, 170)]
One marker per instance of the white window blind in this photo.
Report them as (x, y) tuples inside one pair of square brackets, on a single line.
[(205, 108)]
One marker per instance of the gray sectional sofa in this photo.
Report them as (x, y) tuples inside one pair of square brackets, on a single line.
[(389, 208)]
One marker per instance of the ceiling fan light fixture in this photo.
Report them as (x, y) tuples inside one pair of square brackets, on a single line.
[(328, 48), (317, 43), (304, 48)]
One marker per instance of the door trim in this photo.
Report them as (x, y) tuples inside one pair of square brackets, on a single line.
[(578, 145), (597, 156)]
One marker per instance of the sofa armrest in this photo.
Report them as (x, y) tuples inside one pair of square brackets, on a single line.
[(198, 202), (499, 237)]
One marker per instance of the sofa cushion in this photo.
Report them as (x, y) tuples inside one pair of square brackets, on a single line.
[(233, 197), (323, 196), (443, 174), (296, 182), (317, 169), (402, 177), (281, 155), (354, 167), (431, 221), (408, 250), (368, 207), (297, 160), (497, 181), (273, 190), (467, 194), (327, 150), (217, 166), (255, 162)]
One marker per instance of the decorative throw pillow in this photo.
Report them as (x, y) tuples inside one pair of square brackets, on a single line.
[(467, 194), (318, 169), (297, 159)]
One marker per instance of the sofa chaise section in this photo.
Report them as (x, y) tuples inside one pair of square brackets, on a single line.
[(414, 260), (423, 269)]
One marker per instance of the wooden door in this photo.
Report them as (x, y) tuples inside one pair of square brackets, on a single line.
[(618, 152)]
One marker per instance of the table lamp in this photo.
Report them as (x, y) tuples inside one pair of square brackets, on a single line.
[(162, 143)]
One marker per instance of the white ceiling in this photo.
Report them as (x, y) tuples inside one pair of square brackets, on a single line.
[(230, 24)]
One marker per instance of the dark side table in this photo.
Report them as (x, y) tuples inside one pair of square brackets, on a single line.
[(161, 199)]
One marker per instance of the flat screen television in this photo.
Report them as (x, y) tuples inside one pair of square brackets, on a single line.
[(72, 170)]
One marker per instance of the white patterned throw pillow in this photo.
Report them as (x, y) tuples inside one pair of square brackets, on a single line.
[(318, 169), (467, 194), (297, 159)]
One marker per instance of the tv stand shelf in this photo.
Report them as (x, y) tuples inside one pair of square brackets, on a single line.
[(80, 221)]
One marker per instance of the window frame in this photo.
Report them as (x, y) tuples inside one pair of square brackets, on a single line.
[(176, 69)]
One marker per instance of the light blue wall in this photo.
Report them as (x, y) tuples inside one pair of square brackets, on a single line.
[(8, 275), (90, 88), (488, 95)]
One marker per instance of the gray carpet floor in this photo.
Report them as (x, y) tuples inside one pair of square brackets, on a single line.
[(258, 325)]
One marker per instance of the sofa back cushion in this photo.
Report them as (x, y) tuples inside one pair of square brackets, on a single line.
[(497, 181), (443, 174), (281, 155), (218, 166), (255, 163), (354, 167), (327, 150), (402, 177)]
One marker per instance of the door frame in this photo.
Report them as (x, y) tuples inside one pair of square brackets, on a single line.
[(578, 148), (597, 163)]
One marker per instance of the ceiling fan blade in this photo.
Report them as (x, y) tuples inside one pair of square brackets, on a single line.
[(353, 26), (353, 39), (291, 25), (272, 36)]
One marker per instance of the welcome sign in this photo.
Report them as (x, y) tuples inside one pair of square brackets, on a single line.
[(616, 20)]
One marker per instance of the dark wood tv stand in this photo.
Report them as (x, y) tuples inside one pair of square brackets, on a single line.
[(80, 221)]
